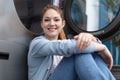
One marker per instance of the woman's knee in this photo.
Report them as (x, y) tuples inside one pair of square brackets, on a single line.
[(86, 63)]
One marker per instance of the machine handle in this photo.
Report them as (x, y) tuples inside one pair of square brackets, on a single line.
[(4, 55)]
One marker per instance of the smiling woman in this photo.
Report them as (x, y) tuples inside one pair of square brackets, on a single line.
[(45, 52)]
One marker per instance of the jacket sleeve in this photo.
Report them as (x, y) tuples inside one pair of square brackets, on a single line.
[(43, 47)]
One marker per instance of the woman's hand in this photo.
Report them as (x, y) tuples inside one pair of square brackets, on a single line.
[(107, 57), (84, 39)]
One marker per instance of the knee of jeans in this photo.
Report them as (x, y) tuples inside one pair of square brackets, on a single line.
[(83, 56)]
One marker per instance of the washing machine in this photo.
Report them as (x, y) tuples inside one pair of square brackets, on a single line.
[(20, 23)]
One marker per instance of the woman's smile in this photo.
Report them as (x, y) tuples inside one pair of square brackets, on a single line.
[(52, 29)]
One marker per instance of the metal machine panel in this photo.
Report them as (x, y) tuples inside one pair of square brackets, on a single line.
[(14, 42)]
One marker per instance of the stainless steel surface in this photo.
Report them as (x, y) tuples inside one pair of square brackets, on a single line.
[(14, 40)]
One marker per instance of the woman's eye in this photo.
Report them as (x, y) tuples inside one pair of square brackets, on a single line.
[(46, 20), (57, 20)]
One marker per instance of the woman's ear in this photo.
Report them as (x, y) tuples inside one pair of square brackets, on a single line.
[(41, 24), (63, 23)]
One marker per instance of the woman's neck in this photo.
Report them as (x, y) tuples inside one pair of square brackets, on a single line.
[(51, 38)]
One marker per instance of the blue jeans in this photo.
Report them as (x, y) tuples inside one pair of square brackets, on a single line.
[(82, 67)]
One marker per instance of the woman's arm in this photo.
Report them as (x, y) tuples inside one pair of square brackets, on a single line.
[(43, 47), (105, 54), (107, 57)]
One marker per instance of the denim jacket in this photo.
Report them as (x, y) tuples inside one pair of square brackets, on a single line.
[(41, 51)]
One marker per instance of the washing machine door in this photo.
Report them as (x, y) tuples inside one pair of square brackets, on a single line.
[(99, 17), (17, 18)]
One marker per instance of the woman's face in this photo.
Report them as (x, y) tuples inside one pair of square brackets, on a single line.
[(52, 24)]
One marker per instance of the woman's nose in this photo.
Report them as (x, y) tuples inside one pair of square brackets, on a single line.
[(52, 22)]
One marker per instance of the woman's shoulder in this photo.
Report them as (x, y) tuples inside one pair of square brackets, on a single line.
[(39, 37)]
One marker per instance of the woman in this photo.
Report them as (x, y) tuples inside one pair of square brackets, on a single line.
[(80, 61)]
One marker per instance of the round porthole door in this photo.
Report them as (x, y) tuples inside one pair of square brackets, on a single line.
[(99, 17)]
